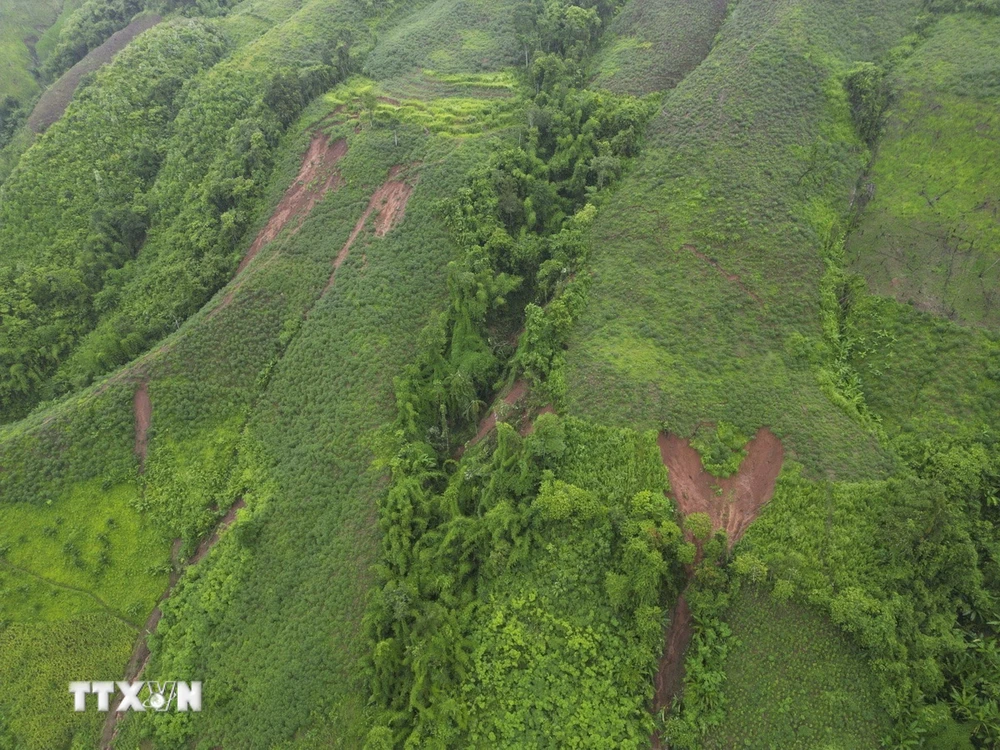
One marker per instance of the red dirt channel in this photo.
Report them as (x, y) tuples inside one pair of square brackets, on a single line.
[(733, 504), (142, 408), (318, 176), (390, 202), (515, 394)]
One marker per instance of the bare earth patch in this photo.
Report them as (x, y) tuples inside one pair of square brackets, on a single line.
[(390, 202), (318, 176), (53, 102), (733, 504), (515, 394), (142, 407)]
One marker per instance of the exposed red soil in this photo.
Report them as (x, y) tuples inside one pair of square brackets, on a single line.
[(515, 394), (53, 102), (670, 676), (731, 277), (390, 202), (142, 407), (733, 504), (318, 176), (140, 652)]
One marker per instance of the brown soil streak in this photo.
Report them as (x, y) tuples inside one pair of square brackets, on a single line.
[(732, 277), (316, 178), (142, 407), (732, 503), (390, 201), (515, 394), (140, 652)]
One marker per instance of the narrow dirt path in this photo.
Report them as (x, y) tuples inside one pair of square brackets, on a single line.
[(390, 201), (53, 102), (142, 407), (732, 503), (140, 651), (732, 277), (515, 394)]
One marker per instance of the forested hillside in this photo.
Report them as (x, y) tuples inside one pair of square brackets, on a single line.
[(518, 374)]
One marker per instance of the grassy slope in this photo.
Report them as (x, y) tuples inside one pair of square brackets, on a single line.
[(930, 235), (304, 572), (652, 44), (711, 268), (794, 682), (731, 186), (21, 24), (288, 588)]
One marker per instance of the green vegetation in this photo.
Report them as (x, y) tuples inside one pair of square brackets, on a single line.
[(652, 44), (529, 592), (471, 217), (793, 681), (21, 23), (929, 234)]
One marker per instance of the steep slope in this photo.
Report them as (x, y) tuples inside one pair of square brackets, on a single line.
[(135, 258), (430, 402), (929, 233), (22, 22), (652, 44), (709, 261)]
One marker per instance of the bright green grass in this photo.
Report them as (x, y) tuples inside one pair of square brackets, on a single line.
[(40, 659), (930, 237), (709, 258), (63, 544), (794, 682), (21, 24), (450, 113), (652, 44)]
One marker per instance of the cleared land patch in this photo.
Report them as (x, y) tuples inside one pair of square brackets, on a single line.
[(54, 101), (794, 681), (317, 177), (734, 502)]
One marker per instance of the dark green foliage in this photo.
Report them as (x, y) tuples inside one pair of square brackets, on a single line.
[(84, 299), (528, 589), (86, 29), (868, 95), (909, 568)]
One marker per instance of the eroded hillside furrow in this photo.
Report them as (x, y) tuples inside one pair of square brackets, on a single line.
[(732, 504)]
